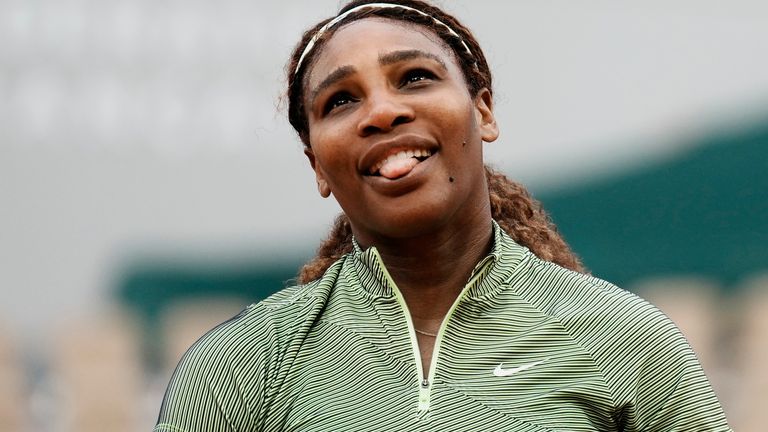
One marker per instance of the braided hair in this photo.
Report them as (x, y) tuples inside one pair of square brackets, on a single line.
[(512, 206)]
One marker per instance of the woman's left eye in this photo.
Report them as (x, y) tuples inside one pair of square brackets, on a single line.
[(417, 75)]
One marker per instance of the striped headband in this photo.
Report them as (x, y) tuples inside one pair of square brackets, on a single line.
[(338, 19)]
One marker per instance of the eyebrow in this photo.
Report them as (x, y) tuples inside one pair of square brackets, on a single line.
[(384, 60), (335, 76), (404, 55)]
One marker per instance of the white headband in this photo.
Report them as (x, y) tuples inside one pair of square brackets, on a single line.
[(336, 20)]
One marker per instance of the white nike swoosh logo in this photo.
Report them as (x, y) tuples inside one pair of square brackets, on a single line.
[(501, 372)]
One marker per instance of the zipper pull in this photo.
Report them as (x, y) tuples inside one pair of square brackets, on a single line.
[(424, 396)]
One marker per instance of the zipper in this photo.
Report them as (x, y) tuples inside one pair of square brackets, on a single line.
[(426, 382)]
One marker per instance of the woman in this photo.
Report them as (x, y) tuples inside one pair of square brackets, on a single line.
[(443, 299)]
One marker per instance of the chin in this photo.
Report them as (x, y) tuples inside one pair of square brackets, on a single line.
[(421, 220)]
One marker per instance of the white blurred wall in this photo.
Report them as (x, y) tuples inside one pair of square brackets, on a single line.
[(130, 125)]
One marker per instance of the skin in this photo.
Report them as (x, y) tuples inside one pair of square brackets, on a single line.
[(380, 85)]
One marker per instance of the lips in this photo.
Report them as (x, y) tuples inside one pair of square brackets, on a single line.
[(393, 159), (400, 163)]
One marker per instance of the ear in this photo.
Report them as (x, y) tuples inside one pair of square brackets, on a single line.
[(322, 185), (489, 130)]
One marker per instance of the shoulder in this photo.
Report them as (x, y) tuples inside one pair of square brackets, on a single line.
[(232, 374), (591, 309), (651, 370), (259, 335), (269, 324), (596, 314), (622, 332)]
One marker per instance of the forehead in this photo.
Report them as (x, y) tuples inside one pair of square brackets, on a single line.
[(369, 38)]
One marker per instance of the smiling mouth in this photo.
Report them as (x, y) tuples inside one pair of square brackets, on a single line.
[(399, 164)]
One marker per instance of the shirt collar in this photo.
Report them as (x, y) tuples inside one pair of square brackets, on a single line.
[(487, 278)]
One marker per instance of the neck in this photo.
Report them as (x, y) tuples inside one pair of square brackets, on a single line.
[(431, 270)]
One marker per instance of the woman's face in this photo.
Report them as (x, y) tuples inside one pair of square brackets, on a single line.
[(394, 133)]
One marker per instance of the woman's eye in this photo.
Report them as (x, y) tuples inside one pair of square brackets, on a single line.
[(417, 75), (336, 101)]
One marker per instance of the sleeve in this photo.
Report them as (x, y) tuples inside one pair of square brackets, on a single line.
[(669, 391), (221, 384)]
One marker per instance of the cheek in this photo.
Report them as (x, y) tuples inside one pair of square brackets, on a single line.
[(323, 142), (331, 157), (459, 127), (455, 113)]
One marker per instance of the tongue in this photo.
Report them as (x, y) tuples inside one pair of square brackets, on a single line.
[(398, 168)]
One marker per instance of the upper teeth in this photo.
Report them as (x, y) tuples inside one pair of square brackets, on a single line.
[(405, 154)]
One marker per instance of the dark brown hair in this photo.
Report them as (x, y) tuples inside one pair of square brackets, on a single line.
[(512, 207)]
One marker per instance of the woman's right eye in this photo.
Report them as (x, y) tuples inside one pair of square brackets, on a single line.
[(336, 101)]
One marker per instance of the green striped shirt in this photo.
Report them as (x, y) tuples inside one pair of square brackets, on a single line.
[(527, 346)]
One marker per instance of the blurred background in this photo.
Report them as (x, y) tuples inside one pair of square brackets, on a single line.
[(151, 187)]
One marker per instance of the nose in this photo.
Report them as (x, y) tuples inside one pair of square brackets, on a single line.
[(383, 112)]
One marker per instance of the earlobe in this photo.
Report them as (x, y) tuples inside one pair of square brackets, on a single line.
[(322, 184), (322, 187), (489, 130)]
